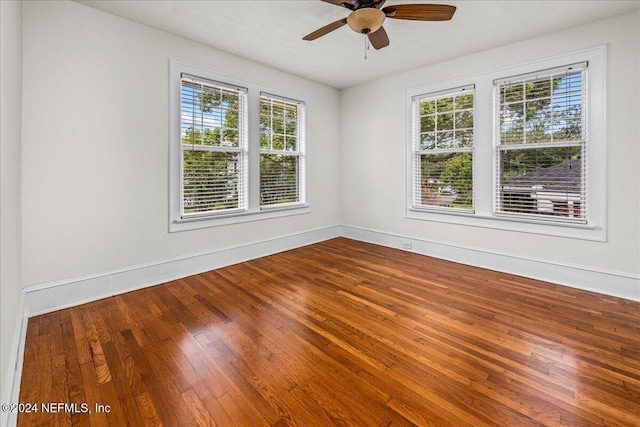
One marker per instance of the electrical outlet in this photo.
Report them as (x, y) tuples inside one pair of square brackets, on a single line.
[(406, 245)]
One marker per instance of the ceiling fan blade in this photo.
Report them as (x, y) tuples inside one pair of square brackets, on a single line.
[(344, 3), (325, 30), (379, 38), (420, 12)]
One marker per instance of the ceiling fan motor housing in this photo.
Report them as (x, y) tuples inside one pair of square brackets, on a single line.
[(366, 20)]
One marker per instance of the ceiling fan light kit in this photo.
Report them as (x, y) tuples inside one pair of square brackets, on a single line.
[(365, 21), (367, 17)]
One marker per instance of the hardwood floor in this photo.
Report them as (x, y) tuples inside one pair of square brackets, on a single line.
[(339, 333)]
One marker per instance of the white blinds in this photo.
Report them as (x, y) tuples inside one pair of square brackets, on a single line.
[(443, 124), (213, 122), (282, 144), (541, 145)]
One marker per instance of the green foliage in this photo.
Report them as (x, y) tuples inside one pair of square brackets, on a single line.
[(458, 173), (210, 180), (278, 179), (447, 180)]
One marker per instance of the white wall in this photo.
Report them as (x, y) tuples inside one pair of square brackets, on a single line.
[(95, 144), (373, 194), (10, 129)]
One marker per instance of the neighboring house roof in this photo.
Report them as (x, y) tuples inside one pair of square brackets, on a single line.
[(565, 178)]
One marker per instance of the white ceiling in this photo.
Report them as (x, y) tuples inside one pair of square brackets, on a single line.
[(270, 32)]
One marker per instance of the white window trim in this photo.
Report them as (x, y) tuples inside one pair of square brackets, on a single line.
[(253, 211), (483, 168)]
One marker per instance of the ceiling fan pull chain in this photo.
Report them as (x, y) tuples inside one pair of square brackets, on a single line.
[(366, 46)]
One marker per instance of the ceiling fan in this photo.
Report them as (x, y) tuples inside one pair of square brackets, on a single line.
[(367, 17)]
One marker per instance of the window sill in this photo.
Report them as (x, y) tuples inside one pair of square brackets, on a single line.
[(574, 231), (182, 224)]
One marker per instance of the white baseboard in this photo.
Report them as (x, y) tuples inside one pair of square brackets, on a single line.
[(71, 292), (68, 293), (49, 297), (608, 282), (16, 358)]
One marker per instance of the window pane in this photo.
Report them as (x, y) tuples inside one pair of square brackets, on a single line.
[(567, 106), (551, 112), (210, 181), (511, 117), (446, 180), (427, 107), (463, 138), (444, 104), (277, 121), (444, 140), (265, 139), (535, 132), (567, 130), (464, 120), (427, 140), (278, 179), (444, 121), (278, 125), (542, 181), (291, 119), (230, 137), (447, 113), (277, 143), (208, 115), (427, 123), (538, 89), (291, 143), (464, 101), (512, 93), (538, 110)]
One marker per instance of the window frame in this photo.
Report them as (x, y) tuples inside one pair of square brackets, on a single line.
[(484, 158), (299, 153), (241, 150), (419, 152), (252, 210), (503, 148)]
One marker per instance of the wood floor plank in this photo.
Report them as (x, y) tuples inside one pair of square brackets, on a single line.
[(340, 333)]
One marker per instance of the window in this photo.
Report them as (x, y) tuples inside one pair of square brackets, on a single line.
[(237, 151), (281, 151), (213, 146), (443, 150), (520, 149), (541, 155)]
